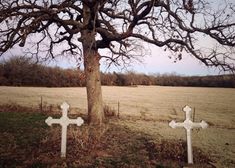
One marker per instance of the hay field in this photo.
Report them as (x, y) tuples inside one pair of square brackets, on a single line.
[(216, 105), (149, 109)]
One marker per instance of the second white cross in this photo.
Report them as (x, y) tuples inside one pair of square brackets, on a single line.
[(188, 125)]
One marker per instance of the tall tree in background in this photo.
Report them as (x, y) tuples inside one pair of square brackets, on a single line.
[(84, 27)]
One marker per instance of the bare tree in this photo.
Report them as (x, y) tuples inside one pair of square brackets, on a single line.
[(84, 27)]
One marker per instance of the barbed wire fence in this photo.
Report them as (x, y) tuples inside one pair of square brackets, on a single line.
[(134, 109)]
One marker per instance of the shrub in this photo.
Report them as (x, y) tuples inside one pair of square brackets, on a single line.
[(109, 111)]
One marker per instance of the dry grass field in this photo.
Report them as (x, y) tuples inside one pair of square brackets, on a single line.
[(148, 109)]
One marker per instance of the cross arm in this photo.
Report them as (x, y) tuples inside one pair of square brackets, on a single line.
[(173, 124), (79, 121), (202, 124), (51, 121)]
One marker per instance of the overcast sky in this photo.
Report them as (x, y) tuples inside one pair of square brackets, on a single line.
[(157, 61)]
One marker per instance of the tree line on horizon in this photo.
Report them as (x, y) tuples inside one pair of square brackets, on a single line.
[(22, 71)]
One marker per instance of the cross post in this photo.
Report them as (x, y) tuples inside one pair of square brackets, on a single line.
[(188, 125), (64, 121)]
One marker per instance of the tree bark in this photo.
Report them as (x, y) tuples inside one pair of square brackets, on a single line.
[(92, 66), (93, 86)]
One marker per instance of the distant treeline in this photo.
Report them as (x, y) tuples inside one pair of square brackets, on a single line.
[(21, 71)]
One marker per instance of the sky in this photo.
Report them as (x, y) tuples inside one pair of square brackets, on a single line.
[(153, 64), (157, 62)]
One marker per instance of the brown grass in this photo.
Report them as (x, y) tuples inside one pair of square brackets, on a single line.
[(114, 146), (148, 109)]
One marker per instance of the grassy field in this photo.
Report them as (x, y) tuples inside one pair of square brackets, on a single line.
[(146, 110)]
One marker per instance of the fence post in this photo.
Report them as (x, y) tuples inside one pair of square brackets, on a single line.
[(41, 105), (118, 109), (194, 113)]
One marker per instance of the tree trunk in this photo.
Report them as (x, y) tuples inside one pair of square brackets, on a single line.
[(93, 86), (92, 67)]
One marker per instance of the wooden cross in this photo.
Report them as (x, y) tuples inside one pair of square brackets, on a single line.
[(64, 121), (188, 125)]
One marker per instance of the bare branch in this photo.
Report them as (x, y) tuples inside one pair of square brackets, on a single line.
[(175, 25)]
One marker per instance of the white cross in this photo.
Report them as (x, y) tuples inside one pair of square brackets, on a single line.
[(188, 125), (64, 121)]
